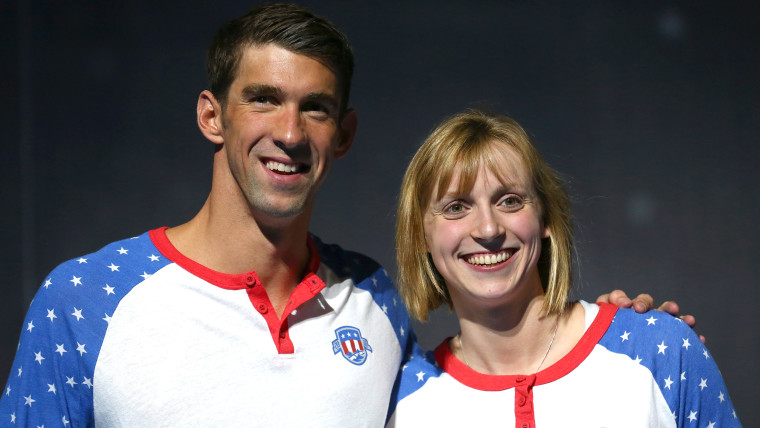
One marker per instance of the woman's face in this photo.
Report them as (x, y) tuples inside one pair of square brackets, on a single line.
[(486, 242)]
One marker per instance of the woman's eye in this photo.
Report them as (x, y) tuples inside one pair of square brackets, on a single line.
[(512, 202), (454, 209)]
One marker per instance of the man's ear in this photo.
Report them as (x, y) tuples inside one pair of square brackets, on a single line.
[(347, 132), (209, 113)]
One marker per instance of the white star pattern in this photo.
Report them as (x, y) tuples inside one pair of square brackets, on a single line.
[(8, 391), (76, 280), (153, 257), (30, 326), (402, 331), (107, 319), (65, 422), (29, 400), (420, 376), (711, 424), (384, 308), (374, 281), (87, 382), (82, 260), (683, 375), (109, 289), (20, 370), (625, 335), (77, 313), (637, 360), (13, 417), (668, 382), (702, 384), (692, 416), (113, 267), (721, 397), (59, 349), (47, 283), (705, 354), (145, 275), (122, 250), (51, 314), (651, 320), (51, 388), (661, 348), (686, 344), (70, 381), (80, 348), (38, 357)]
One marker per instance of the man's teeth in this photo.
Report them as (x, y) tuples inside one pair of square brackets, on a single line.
[(488, 259), (281, 167)]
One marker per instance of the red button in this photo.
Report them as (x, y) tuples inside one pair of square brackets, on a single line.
[(520, 379), (262, 308), (521, 401), (250, 280)]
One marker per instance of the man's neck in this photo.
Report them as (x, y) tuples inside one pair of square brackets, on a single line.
[(278, 253)]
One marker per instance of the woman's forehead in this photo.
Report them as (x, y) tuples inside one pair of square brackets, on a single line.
[(498, 161)]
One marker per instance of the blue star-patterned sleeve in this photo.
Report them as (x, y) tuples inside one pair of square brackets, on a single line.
[(51, 380), (684, 370)]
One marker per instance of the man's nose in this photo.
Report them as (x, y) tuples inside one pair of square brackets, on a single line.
[(289, 128)]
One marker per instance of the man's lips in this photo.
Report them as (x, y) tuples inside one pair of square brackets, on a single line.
[(487, 259)]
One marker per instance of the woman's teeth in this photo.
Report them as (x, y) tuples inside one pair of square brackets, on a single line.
[(281, 167), (488, 259)]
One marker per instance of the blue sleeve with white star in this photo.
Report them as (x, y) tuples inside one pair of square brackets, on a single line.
[(51, 379), (684, 370)]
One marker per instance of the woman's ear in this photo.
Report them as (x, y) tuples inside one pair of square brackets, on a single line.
[(209, 112)]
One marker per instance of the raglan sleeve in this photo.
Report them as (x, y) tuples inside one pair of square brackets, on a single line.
[(699, 396), (49, 384)]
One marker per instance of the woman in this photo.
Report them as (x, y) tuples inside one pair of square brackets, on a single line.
[(484, 225)]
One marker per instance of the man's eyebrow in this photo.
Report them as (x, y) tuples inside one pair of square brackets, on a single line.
[(254, 90)]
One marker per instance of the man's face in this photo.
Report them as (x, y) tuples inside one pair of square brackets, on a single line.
[(281, 129)]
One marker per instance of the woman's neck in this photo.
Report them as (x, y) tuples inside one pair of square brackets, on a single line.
[(521, 339)]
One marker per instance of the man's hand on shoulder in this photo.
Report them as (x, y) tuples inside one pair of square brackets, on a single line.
[(643, 303)]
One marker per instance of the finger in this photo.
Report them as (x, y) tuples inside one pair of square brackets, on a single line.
[(643, 302), (689, 320), (670, 307), (702, 338), (617, 298), (604, 298)]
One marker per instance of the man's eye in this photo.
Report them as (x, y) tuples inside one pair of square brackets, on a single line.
[(316, 108), (262, 99)]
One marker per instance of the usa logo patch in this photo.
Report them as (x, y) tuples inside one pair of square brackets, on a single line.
[(350, 343)]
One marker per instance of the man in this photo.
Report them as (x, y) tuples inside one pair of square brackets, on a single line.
[(238, 317)]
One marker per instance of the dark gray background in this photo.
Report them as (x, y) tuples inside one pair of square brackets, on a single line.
[(649, 108)]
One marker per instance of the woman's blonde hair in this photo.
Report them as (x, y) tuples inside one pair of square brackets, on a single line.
[(463, 143)]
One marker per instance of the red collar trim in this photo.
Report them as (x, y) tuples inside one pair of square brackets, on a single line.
[(230, 281), (465, 375)]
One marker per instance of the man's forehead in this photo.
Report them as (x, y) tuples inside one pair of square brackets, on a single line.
[(276, 66)]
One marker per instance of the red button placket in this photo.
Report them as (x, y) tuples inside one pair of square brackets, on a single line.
[(524, 417)]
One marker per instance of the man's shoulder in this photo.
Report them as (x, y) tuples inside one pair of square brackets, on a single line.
[(118, 264), (347, 262)]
